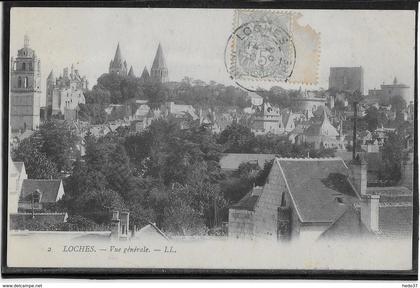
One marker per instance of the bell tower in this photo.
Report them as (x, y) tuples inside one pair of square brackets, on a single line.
[(159, 71), (25, 89)]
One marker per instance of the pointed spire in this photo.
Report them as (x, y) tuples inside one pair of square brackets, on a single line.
[(159, 61), (145, 76), (326, 127), (118, 56), (131, 72), (395, 80), (159, 72), (51, 75)]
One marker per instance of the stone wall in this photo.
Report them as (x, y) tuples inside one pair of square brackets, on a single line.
[(241, 224)]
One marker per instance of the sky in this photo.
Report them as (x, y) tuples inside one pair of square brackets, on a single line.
[(194, 40)]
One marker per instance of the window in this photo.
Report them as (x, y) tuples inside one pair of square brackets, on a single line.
[(19, 82), (30, 66), (283, 200), (25, 82), (23, 66), (339, 199)]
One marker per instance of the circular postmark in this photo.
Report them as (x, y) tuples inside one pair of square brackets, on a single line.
[(260, 50)]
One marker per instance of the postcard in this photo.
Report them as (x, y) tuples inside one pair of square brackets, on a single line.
[(226, 139)]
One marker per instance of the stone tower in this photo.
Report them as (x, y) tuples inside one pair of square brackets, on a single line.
[(118, 65), (159, 71), (25, 89), (50, 89)]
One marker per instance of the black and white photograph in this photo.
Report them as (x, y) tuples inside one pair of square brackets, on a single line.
[(227, 139)]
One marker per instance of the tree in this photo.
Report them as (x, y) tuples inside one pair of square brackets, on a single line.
[(263, 174), (112, 83), (98, 95), (356, 96), (180, 216), (374, 118), (280, 96), (156, 93), (236, 139), (37, 164), (130, 89), (398, 103), (97, 205), (393, 155), (58, 142), (118, 172), (82, 180)]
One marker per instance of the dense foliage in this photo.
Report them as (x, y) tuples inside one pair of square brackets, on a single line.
[(49, 151)]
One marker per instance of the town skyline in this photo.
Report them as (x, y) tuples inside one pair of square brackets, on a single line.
[(90, 51)]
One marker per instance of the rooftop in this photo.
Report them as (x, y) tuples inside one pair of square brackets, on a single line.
[(319, 187), (48, 188), (248, 202)]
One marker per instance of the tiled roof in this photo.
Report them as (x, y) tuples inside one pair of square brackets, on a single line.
[(396, 196), (248, 202), (48, 188), (320, 111), (150, 230), (231, 161), (389, 191), (325, 128), (396, 221), (347, 226), (319, 187)]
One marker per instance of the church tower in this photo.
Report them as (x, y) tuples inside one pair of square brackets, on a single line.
[(118, 65), (159, 71), (25, 89), (131, 73), (145, 77)]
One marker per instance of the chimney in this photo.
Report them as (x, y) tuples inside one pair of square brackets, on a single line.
[(124, 223), (115, 225), (358, 175), (369, 212), (332, 100), (257, 191), (284, 228)]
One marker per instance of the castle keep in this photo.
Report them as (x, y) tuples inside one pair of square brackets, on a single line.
[(65, 93)]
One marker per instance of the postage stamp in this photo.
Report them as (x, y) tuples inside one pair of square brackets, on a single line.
[(271, 46)]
